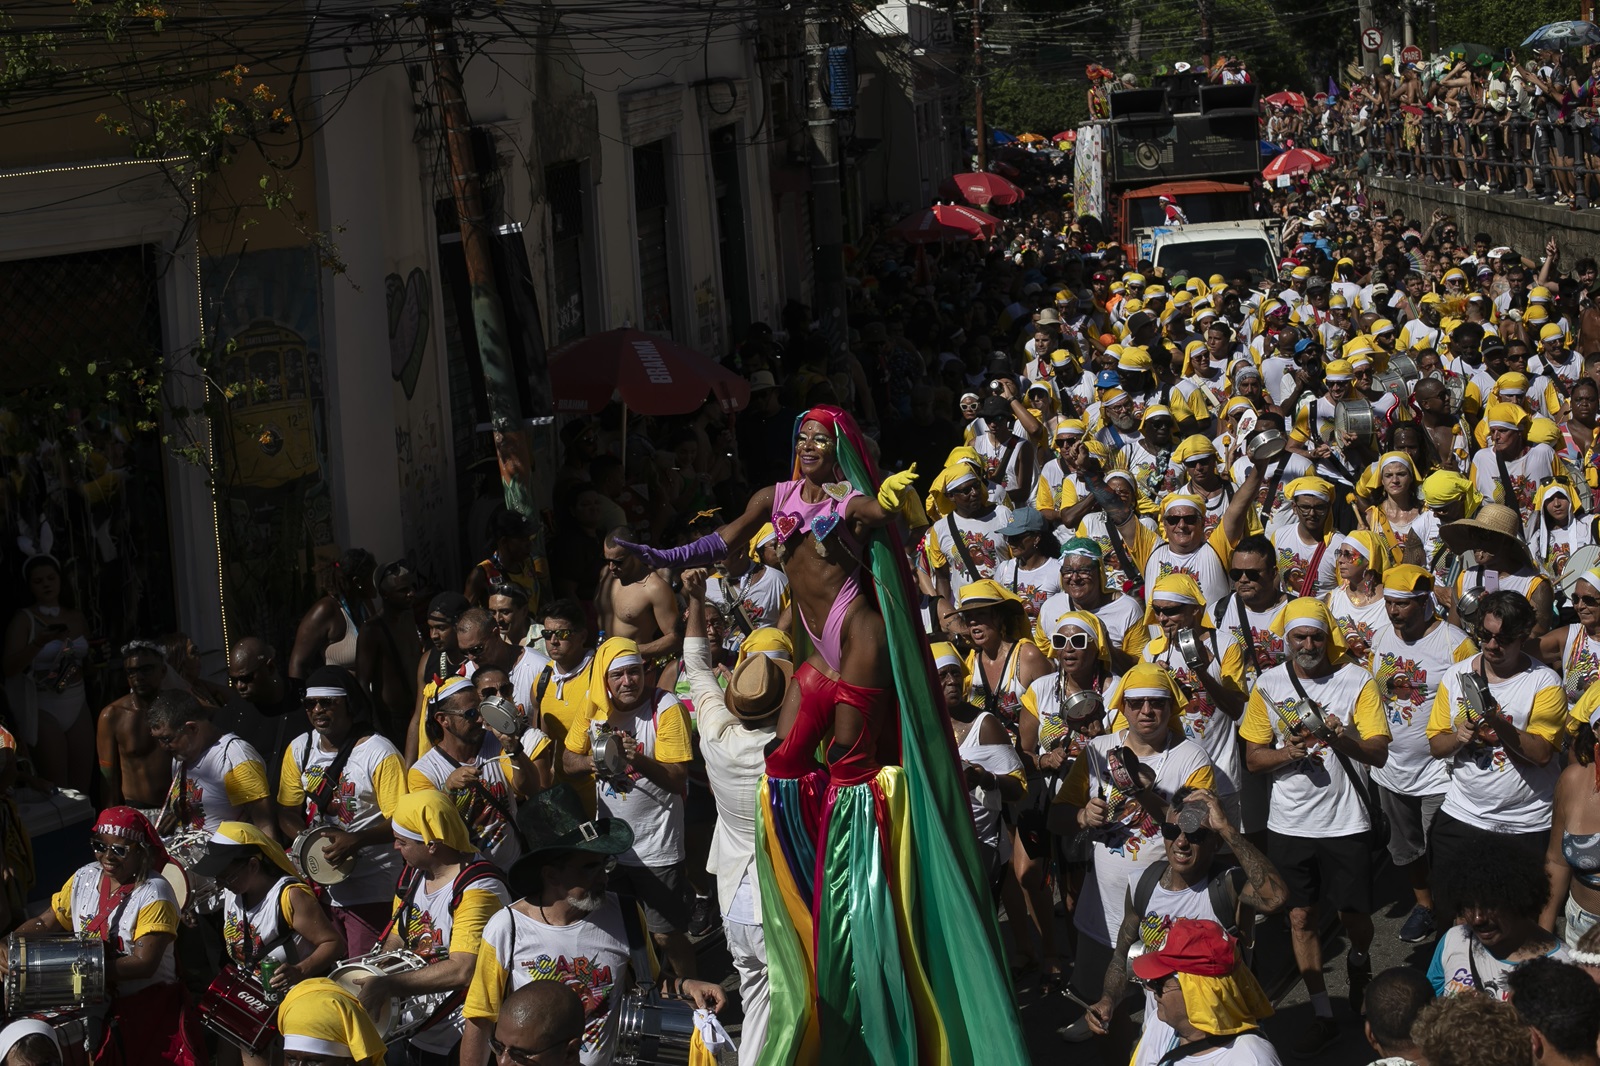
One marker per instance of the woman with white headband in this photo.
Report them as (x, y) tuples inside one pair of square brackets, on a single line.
[(1357, 604), (1558, 527)]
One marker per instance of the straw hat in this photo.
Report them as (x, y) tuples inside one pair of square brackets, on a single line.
[(1495, 528)]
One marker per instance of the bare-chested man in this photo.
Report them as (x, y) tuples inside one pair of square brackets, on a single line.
[(633, 601), (138, 770), (388, 649)]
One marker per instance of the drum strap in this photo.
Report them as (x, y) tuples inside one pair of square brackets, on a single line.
[(99, 925), (495, 802), (328, 786), (1507, 485)]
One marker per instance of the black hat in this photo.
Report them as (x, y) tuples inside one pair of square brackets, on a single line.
[(448, 605), (554, 820)]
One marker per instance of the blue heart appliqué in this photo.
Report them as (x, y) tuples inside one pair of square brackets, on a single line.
[(823, 524)]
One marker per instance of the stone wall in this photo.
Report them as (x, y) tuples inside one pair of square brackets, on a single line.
[(1524, 224)]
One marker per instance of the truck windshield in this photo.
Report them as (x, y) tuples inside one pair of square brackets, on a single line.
[(1249, 257), (1146, 211)]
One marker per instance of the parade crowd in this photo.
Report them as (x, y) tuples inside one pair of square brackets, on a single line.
[(1230, 591)]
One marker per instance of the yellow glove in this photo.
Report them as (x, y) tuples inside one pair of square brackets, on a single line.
[(892, 491)]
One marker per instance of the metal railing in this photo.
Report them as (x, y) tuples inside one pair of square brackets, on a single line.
[(1514, 155)]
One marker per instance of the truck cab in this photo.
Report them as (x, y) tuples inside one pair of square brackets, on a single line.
[(1233, 249)]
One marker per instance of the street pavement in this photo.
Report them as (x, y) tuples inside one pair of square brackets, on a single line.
[(1041, 1017)]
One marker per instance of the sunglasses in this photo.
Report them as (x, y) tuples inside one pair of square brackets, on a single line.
[(1204, 460), (1502, 638), (1239, 573), (1169, 610), (517, 1055), (1152, 985), (1586, 601), (560, 634), (1063, 641), (470, 714), (1182, 519), (118, 851), (1170, 831), (1135, 703), (474, 651)]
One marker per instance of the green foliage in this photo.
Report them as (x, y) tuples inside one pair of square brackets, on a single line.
[(1019, 100), (1499, 23)]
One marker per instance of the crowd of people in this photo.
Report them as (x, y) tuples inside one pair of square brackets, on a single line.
[(1138, 608)]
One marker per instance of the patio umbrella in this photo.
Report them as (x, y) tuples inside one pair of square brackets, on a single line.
[(1288, 99), (1574, 33), (962, 217), (980, 187), (1032, 138), (1001, 137), (1065, 135), (926, 227), (651, 375), (1296, 161)]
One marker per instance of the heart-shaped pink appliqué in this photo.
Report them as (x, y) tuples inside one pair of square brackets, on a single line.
[(785, 525)]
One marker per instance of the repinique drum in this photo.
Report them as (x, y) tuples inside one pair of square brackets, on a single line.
[(195, 892), (54, 973), (401, 1016), (652, 1031), (72, 1033), (236, 1008), (310, 857)]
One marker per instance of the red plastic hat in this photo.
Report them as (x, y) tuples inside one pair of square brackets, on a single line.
[(1194, 946)]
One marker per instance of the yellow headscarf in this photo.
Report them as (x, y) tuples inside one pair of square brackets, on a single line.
[(767, 640), (1302, 611), (429, 815), (1542, 430), (1508, 414), (763, 535), (247, 834), (319, 1017), (1407, 581), (1444, 487), (938, 502), (945, 654), (1145, 677), (1371, 482), (1144, 504), (1176, 587), (1180, 499), (1194, 446), (1311, 485), (1223, 1006), (606, 658), (1560, 483), (1090, 624), (1372, 548)]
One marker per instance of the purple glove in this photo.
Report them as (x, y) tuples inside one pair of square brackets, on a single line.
[(709, 549)]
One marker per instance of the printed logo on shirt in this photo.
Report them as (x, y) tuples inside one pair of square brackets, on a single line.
[(191, 802), (1270, 648), (985, 556), (342, 809), (485, 828), (1404, 684), (1153, 930), (423, 937), (1358, 636), (233, 938), (592, 983), (1199, 711)]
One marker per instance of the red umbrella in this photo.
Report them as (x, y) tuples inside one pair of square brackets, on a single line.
[(981, 187), (1065, 135), (1288, 99), (1297, 161), (653, 375), (967, 218), (925, 227)]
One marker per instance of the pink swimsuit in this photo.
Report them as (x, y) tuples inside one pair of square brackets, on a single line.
[(793, 518)]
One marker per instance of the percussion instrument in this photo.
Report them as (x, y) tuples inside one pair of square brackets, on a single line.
[(54, 972), (1188, 642), (1581, 561), (1354, 417), (1306, 713), (196, 893), (1398, 377), (1475, 695), (1470, 603), (72, 1034), (1082, 706), (1265, 444), (652, 1031), (309, 853), (236, 1008), (502, 716), (402, 1015), (609, 761)]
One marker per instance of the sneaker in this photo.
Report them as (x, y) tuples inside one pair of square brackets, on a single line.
[(1419, 926), (1317, 1036), (1360, 975), (1077, 1032), (704, 918)]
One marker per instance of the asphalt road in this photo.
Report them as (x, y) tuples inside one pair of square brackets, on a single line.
[(1041, 1016)]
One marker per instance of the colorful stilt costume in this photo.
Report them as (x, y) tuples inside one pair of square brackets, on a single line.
[(882, 939)]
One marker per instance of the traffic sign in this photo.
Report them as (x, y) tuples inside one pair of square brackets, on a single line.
[(1372, 38), (1410, 54)]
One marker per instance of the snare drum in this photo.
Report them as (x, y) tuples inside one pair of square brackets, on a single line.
[(652, 1030), (72, 1034), (236, 1008), (310, 858), (1354, 417), (194, 891), (401, 1016), (54, 973)]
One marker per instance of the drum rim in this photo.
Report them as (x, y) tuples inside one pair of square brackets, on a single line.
[(304, 842)]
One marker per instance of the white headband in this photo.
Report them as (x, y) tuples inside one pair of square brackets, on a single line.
[(1359, 548), (1511, 392), (1403, 594), (324, 692), (959, 480), (942, 661), (774, 653), (402, 831), (1172, 597), (1172, 505), (1494, 424), (1335, 378), (1306, 623), (625, 660), (1313, 493), (21, 1029), (1146, 694)]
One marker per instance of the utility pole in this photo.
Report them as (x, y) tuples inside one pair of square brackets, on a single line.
[(1369, 60), (977, 84), (827, 203), (488, 318), (1205, 35)]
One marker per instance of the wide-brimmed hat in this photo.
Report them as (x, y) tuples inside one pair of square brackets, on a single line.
[(761, 381), (757, 686), (1495, 528), (554, 820)]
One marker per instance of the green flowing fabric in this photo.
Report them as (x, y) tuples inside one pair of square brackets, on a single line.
[(867, 1015), (958, 929), (790, 993)]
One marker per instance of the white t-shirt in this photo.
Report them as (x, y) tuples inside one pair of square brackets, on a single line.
[(1034, 586), (216, 787), (762, 596), (1295, 555), (246, 931), (1093, 527), (1205, 566), (490, 831), (1167, 906), (149, 907), (1007, 483), (1526, 470), (1203, 722), (591, 956), (1130, 839), (1489, 789), (1269, 646), (1460, 962), (1312, 797), (371, 784), (1408, 675), (431, 931), (1001, 760), (1359, 623), (983, 540), (661, 726)]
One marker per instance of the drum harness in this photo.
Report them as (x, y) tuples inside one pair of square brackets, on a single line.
[(406, 888)]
